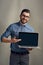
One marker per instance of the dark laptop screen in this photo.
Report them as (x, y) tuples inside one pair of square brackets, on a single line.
[(28, 39)]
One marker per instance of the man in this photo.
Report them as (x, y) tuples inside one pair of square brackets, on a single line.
[(19, 56)]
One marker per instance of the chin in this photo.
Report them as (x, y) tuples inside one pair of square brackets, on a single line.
[(24, 22)]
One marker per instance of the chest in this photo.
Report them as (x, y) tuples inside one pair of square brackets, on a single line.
[(16, 30)]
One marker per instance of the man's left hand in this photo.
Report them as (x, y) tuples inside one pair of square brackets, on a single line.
[(30, 49)]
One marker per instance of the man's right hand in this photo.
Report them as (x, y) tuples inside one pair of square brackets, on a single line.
[(15, 40)]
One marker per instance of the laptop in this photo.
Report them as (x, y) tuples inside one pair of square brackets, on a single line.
[(28, 40)]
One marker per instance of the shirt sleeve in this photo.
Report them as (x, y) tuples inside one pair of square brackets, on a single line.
[(7, 32)]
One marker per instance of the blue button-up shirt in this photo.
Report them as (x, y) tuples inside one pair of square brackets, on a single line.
[(13, 31)]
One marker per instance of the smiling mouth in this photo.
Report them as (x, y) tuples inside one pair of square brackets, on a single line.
[(24, 19)]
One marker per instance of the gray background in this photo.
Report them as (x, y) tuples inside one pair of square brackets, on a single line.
[(9, 13)]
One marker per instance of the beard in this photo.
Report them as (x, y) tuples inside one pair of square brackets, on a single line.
[(23, 21)]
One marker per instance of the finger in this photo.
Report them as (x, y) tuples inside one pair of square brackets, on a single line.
[(19, 40)]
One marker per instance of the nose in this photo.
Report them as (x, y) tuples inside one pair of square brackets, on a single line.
[(25, 18)]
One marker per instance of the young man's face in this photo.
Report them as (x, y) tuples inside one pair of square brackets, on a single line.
[(24, 17)]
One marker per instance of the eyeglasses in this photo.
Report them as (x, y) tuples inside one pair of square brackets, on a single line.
[(25, 16)]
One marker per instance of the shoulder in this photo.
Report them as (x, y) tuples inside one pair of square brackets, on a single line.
[(13, 24)]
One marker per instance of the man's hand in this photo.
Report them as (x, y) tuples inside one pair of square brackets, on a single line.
[(30, 49), (15, 40)]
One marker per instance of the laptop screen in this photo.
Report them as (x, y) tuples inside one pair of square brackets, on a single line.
[(28, 39)]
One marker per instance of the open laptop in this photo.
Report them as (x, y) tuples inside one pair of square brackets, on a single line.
[(28, 40)]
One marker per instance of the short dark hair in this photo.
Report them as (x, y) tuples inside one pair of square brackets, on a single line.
[(25, 10)]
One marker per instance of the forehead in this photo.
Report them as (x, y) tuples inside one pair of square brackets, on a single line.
[(25, 13)]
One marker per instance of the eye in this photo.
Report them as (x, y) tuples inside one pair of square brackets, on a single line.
[(25, 16)]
